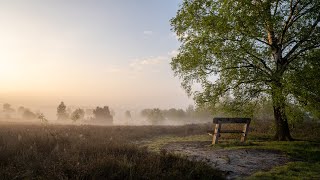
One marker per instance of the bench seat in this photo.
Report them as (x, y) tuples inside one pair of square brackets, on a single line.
[(217, 123), (226, 131)]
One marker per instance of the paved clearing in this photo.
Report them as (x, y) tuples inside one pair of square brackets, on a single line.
[(235, 163)]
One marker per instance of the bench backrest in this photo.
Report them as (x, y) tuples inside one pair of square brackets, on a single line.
[(219, 120)]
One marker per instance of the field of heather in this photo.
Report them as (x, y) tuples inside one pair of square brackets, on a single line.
[(35, 151)]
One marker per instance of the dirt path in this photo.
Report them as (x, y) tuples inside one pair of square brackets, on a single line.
[(235, 163)]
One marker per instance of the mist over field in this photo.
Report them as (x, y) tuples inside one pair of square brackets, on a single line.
[(79, 53), (159, 89), (120, 115)]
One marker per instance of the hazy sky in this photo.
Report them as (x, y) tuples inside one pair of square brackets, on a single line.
[(89, 52)]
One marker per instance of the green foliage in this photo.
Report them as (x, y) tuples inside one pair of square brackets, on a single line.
[(293, 170), (304, 84), (246, 50)]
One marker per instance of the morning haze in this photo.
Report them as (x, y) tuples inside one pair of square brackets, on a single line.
[(88, 54), (159, 89)]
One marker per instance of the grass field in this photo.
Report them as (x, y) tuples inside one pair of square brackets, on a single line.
[(134, 152)]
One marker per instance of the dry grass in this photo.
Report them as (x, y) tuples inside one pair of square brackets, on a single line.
[(91, 152)]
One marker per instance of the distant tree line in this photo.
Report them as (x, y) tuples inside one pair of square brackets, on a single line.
[(261, 110), (7, 110), (157, 116), (100, 114), (22, 112)]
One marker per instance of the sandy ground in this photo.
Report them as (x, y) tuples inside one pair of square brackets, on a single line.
[(235, 163)]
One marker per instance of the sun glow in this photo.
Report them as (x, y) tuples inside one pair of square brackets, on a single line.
[(83, 56)]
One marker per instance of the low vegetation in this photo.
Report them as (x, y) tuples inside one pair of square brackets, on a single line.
[(86, 152), (131, 152)]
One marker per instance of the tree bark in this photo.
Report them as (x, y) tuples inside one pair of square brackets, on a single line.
[(279, 110), (278, 96)]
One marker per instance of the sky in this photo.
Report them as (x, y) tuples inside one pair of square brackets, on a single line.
[(89, 53)]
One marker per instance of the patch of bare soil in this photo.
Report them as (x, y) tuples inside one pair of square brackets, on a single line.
[(235, 163)]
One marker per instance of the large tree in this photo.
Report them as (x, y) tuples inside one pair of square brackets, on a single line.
[(247, 49)]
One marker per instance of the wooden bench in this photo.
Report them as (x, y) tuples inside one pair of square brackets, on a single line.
[(218, 124)]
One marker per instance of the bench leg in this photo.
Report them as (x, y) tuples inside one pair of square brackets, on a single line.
[(216, 134), (245, 134)]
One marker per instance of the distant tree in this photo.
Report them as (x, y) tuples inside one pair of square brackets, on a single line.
[(155, 115), (190, 110), (21, 110), (200, 113), (62, 112), (145, 112), (69, 110), (42, 118), (89, 112), (103, 115), (127, 114), (174, 113), (77, 114), (7, 110), (112, 112), (29, 115)]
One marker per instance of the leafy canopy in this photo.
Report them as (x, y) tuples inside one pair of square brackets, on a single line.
[(244, 47)]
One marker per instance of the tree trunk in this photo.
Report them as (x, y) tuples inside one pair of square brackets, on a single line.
[(278, 96), (281, 122)]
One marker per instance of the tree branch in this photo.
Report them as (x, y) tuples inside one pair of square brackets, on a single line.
[(276, 8), (260, 60), (305, 38), (288, 21), (302, 51), (255, 38), (237, 67)]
